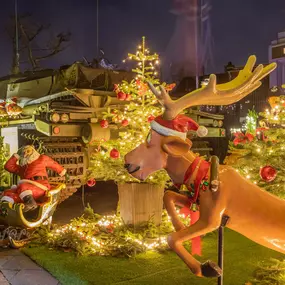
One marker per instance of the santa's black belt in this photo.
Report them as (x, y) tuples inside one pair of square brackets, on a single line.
[(38, 178)]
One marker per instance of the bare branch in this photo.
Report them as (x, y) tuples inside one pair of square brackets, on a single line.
[(29, 33), (28, 43), (60, 39), (36, 33)]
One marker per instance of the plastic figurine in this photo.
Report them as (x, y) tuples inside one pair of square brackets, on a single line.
[(31, 166), (248, 209)]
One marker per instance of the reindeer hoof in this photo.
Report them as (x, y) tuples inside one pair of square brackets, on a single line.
[(211, 269)]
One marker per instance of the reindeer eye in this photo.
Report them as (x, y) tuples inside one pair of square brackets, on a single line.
[(148, 138)]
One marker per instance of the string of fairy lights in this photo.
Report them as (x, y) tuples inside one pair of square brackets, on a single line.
[(264, 145), (83, 232), (137, 114)]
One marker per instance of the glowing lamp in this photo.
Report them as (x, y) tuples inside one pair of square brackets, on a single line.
[(64, 118), (55, 117), (56, 130)]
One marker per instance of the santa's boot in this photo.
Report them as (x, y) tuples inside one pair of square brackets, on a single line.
[(30, 203)]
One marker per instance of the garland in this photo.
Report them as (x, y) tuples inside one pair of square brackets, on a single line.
[(92, 234)]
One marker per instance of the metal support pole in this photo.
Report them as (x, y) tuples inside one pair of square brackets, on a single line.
[(221, 248), (221, 253), (97, 28)]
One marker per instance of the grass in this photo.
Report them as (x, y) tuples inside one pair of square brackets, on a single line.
[(240, 261)]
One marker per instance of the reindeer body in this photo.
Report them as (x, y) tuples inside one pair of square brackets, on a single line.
[(252, 212)]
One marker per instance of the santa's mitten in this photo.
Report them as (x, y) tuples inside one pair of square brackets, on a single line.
[(19, 153)]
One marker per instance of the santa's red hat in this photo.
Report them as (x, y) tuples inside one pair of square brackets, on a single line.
[(177, 127)]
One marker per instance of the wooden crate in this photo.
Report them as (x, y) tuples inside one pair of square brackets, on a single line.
[(139, 202)]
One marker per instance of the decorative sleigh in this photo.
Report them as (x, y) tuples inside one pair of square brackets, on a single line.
[(13, 220)]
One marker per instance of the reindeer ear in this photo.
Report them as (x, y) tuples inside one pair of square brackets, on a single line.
[(175, 146)]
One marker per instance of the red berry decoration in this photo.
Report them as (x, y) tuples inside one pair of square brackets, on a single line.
[(150, 118), (128, 97), (91, 182), (104, 124), (114, 153), (125, 122), (268, 173), (121, 95)]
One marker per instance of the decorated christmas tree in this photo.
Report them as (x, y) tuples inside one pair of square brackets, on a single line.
[(258, 153), (132, 120)]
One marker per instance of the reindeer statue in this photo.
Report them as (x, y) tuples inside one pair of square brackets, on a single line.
[(252, 212)]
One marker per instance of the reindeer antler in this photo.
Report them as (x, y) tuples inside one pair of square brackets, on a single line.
[(222, 94)]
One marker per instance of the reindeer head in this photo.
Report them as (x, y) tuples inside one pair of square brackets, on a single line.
[(166, 140)]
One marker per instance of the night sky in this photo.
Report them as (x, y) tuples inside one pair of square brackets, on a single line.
[(239, 27)]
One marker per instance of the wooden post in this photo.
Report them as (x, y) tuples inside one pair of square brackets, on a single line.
[(139, 202)]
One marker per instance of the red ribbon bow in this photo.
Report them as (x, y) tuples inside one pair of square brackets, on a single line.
[(242, 138)]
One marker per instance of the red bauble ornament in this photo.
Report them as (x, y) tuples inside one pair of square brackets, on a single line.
[(128, 97), (150, 118), (121, 95), (104, 124), (91, 182), (125, 122), (114, 153), (268, 173)]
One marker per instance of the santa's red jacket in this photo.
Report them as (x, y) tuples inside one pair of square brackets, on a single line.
[(36, 172)]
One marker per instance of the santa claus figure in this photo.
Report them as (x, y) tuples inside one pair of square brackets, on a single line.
[(32, 169)]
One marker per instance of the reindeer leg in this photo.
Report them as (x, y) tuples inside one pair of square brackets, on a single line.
[(171, 199), (211, 210), (175, 242)]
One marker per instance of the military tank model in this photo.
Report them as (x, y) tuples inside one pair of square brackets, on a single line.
[(60, 110), (214, 124)]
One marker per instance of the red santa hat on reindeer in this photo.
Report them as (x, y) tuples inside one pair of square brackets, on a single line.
[(179, 126)]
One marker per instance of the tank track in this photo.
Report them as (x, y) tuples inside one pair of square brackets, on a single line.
[(70, 154)]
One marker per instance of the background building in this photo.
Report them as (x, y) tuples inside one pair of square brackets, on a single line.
[(277, 54), (189, 49)]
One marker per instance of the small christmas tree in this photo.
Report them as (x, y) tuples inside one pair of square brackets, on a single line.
[(4, 155), (132, 121), (259, 152)]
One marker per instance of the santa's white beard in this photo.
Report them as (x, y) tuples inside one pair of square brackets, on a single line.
[(27, 160)]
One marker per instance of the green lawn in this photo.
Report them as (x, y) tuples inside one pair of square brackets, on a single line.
[(241, 257)]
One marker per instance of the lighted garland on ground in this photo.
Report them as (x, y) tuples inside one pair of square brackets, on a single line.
[(92, 234)]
